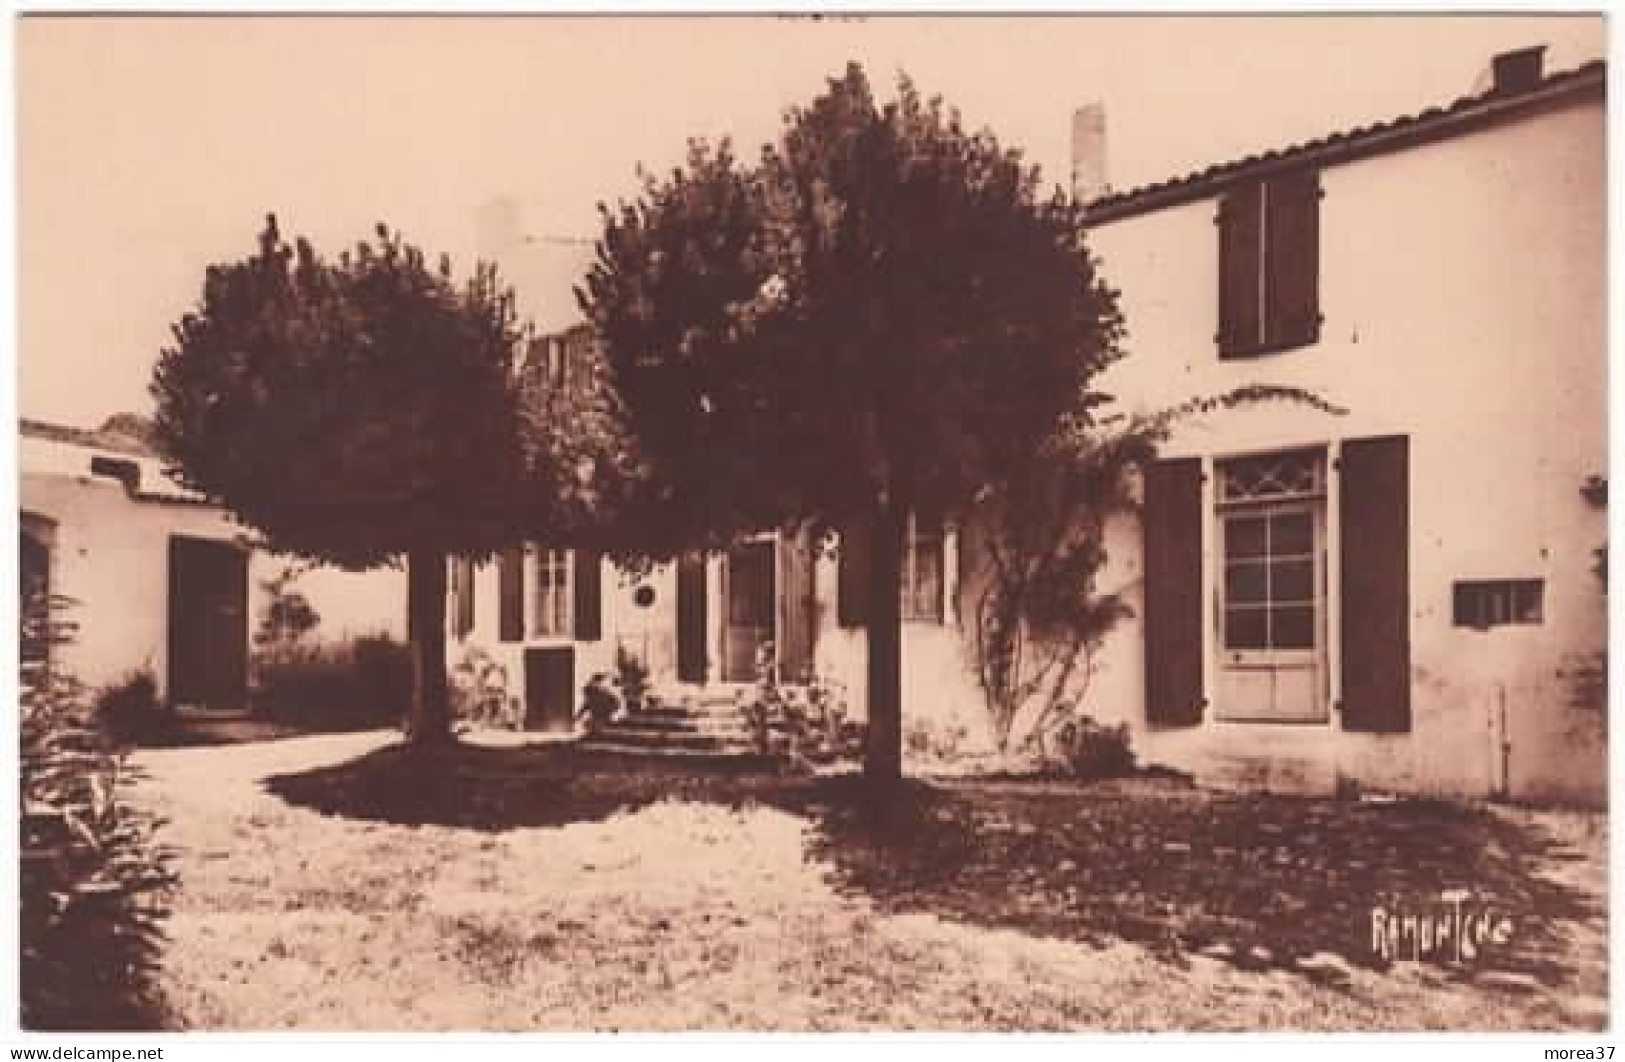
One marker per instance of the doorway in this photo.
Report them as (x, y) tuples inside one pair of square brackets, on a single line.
[(748, 589), (208, 624)]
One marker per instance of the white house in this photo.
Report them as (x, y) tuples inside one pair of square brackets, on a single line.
[(155, 579), (1401, 597)]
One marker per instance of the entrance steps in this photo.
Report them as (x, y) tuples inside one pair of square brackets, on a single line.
[(694, 721)]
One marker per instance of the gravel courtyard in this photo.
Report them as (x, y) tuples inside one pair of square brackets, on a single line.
[(336, 883)]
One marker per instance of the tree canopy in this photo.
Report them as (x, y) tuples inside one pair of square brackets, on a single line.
[(356, 412), (882, 316), (885, 307), (351, 411)]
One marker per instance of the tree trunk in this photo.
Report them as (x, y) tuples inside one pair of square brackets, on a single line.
[(430, 719), (884, 760)]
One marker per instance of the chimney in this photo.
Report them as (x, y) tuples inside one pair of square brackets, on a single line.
[(1516, 71), (1089, 153)]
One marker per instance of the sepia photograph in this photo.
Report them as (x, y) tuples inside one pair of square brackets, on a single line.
[(811, 523)]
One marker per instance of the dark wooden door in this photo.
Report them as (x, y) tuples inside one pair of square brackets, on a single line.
[(749, 609), (208, 623), (550, 688), (691, 653)]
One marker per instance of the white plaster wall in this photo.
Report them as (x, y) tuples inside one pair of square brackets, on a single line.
[(1462, 285), (940, 688)]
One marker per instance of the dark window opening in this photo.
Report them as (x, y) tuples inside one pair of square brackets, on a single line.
[(1485, 603)]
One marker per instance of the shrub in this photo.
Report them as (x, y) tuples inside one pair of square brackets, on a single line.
[(384, 678), (631, 678), (130, 712), (94, 886), (1088, 749), (288, 615), (800, 727), (936, 740), (479, 692), (358, 685), (599, 702)]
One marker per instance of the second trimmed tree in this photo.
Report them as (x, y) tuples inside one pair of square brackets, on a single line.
[(880, 318)]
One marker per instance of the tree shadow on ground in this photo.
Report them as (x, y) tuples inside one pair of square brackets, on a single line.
[(1259, 881), (502, 788)]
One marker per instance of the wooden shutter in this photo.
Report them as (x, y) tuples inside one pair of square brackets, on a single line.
[(462, 620), (1376, 585), (1292, 260), (511, 594), (1240, 253), (1173, 592), (691, 619), (852, 577), (589, 597), (796, 631)]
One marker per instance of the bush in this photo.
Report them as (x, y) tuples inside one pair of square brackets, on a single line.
[(359, 685), (384, 678), (600, 702), (131, 713), (94, 886), (1088, 749), (800, 727), (479, 692), (936, 740), (631, 678)]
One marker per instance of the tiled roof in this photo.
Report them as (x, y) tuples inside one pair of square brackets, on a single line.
[(1465, 115), (103, 438)]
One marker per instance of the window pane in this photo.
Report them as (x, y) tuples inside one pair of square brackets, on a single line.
[(1293, 627), (1292, 580), (1292, 533), (1246, 628), (1246, 581), (1244, 537)]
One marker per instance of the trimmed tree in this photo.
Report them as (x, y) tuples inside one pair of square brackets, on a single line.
[(880, 318), (356, 413)]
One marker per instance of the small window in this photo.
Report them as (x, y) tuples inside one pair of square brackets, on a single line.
[(1482, 604), (550, 604), (922, 572), (1269, 264)]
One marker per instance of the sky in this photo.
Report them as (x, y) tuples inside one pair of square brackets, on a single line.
[(148, 148)]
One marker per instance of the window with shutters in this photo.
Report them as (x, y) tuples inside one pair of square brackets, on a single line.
[(550, 602), (1269, 265), (922, 584)]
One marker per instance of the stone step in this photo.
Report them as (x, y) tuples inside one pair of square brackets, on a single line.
[(634, 737), (687, 711), (662, 724), (730, 755)]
